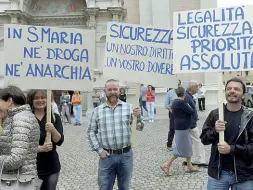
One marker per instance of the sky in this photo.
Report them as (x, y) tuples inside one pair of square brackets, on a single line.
[(227, 3)]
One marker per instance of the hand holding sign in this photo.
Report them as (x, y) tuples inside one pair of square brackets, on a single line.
[(220, 126), (137, 111)]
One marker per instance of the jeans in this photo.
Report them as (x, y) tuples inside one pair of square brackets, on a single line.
[(65, 112), (49, 181), (227, 180), (77, 113), (115, 165), (143, 105), (171, 132), (199, 156), (151, 110)]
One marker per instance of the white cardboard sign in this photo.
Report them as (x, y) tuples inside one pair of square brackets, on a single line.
[(213, 40), (49, 58), (139, 54)]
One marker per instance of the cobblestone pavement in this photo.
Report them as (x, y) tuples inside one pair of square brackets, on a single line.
[(79, 164)]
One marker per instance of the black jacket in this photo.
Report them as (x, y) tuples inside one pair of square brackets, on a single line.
[(242, 150)]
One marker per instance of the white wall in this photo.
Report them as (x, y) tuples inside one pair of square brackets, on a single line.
[(161, 13), (145, 12), (4, 5)]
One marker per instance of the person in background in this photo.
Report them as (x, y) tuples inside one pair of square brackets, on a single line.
[(69, 104), (122, 95), (182, 123), (102, 98), (109, 134), (143, 99), (169, 99), (231, 161), (150, 95), (54, 105), (95, 98), (201, 97), (77, 107), (19, 140), (199, 157), (48, 163), (65, 101)]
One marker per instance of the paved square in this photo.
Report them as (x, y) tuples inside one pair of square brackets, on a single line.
[(79, 164)]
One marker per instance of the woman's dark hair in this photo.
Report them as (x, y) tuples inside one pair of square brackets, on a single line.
[(31, 95), (180, 91), (236, 80), (15, 93)]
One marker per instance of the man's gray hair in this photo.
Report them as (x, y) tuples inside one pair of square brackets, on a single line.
[(192, 84)]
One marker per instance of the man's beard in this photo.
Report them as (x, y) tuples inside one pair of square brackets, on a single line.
[(235, 99), (112, 97)]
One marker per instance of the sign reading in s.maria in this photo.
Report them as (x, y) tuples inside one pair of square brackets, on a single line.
[(49, 58), (213, 40)]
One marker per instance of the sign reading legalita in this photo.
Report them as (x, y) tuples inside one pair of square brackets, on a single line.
[(48, 57), (212, 40)]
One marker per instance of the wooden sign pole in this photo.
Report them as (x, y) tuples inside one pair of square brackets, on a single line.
[(220, 101), (1, 126), (136, 103), (49, 113)]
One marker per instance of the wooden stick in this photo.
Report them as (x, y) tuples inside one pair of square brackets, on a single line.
[(49, 113), (220, 100), (136, 103)]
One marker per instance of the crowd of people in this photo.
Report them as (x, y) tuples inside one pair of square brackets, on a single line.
[(27, 153), (230, 165)]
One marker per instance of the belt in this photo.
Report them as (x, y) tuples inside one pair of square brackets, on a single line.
[(119, 151)]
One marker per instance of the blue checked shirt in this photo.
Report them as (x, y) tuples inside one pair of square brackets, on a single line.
[(111, 128)]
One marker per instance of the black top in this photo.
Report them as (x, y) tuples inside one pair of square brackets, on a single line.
[(182, 113), (122, 97), (233, 120), (48, 162)]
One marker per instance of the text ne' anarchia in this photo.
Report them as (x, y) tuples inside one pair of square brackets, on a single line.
[(59, 71)]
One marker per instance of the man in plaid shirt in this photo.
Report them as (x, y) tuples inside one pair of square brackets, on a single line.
[(109, 134)]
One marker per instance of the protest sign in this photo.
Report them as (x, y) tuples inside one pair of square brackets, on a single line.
[(139, 54), (212, 40), (49, 58)]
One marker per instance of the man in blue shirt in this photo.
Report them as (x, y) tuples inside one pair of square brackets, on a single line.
[(169, 99), (199, 157)]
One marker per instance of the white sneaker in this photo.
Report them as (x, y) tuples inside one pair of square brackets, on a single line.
[(150, 121)]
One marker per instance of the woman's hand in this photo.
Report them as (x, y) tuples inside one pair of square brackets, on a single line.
[(50, 127)]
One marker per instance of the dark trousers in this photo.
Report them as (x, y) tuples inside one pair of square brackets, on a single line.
[(143, 105), (171, 131), (49, 181), (201, 102)]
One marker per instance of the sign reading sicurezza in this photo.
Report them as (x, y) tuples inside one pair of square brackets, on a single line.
[(139, 54), (213, 40)]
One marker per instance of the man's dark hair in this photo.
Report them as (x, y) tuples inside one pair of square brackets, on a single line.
[(180, 91), (236, 80), (15, 93)]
